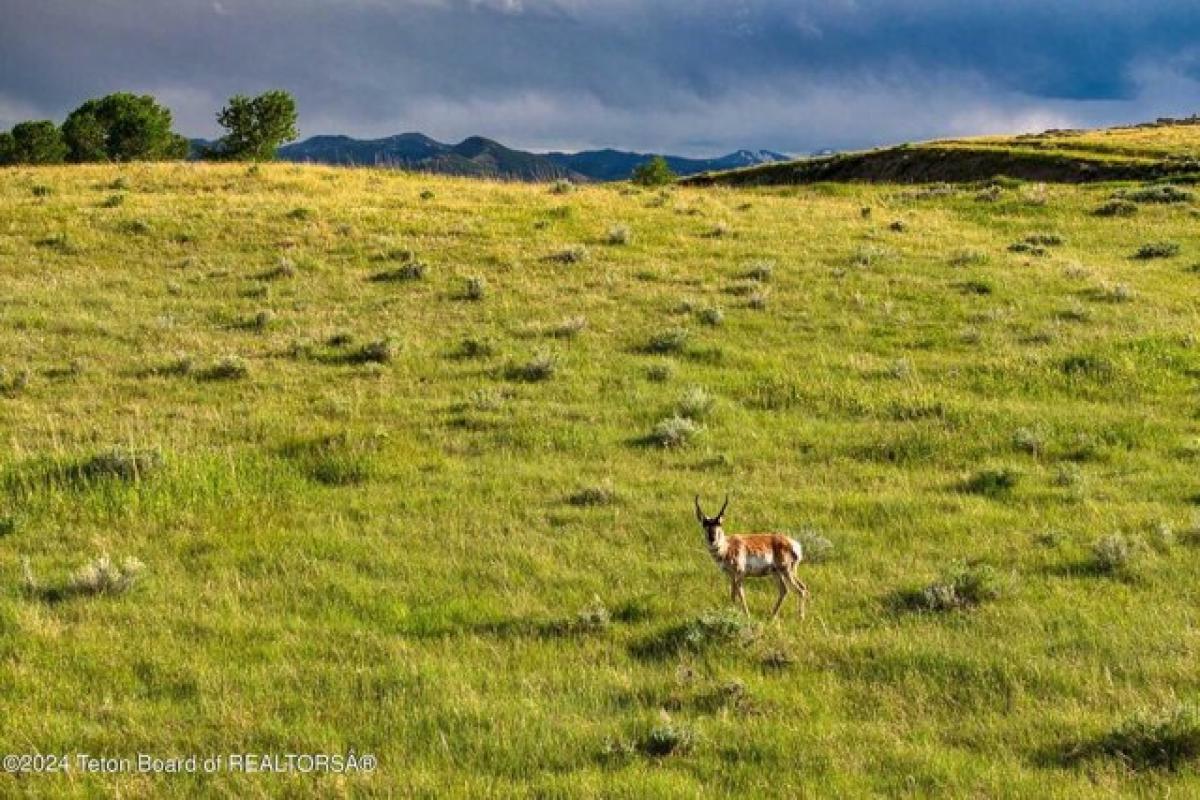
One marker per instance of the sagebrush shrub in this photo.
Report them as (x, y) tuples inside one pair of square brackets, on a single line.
[(541, 367), (1161, 194), (696, 404), (122, 463), (962, 587), (1152, 250), (226, 369), (572, 254), (619, 235), (814, 545), (599, 495), (668, 738), (569, 328), (475, 288), (1114, 552), (993, 483), (1116, 208), (104, 576), (675, 431), (1166, 739), (759, 271), (674, 340), (413, 271)]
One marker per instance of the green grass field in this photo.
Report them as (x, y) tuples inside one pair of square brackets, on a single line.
[(391, 451)]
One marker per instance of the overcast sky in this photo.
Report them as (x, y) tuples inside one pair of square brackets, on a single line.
[(682, 76)]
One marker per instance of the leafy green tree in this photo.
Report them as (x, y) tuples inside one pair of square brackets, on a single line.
[(257, 126), (36, 142), (655, 172), (8, 148), (122, 127)]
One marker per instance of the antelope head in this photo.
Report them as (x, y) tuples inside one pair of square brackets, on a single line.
[(712, 525)]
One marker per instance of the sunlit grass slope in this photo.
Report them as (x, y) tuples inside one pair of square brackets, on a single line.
[(409, 464), (1143, 152)]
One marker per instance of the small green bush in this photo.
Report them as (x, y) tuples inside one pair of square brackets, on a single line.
[(655, 172)]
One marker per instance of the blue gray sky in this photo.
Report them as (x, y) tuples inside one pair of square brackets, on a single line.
[(681, 76)]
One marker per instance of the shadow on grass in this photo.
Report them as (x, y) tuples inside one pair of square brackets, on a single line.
[(119, 464), (724, 627), (1088, 569)]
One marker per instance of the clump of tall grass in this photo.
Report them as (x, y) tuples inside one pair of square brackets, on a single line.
[(562, 187), (12, 383), (814, 545), (869, 255), (711, 316), (62, 243), (968, 257), (660, 372), (338, 459)]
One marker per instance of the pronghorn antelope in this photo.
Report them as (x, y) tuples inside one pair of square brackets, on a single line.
[(756, 555)]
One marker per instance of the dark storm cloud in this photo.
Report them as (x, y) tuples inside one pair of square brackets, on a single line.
[(656, 74)]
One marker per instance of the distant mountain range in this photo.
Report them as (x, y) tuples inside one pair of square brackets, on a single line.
[(480, 157)]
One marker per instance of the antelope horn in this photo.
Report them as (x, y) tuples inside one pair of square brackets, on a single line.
[(699, 511), (721, 513)]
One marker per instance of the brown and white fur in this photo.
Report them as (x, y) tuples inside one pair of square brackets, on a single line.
[(757, 555)]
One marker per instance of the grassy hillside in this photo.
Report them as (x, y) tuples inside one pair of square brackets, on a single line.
[(1145, 152), (409, 462)]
